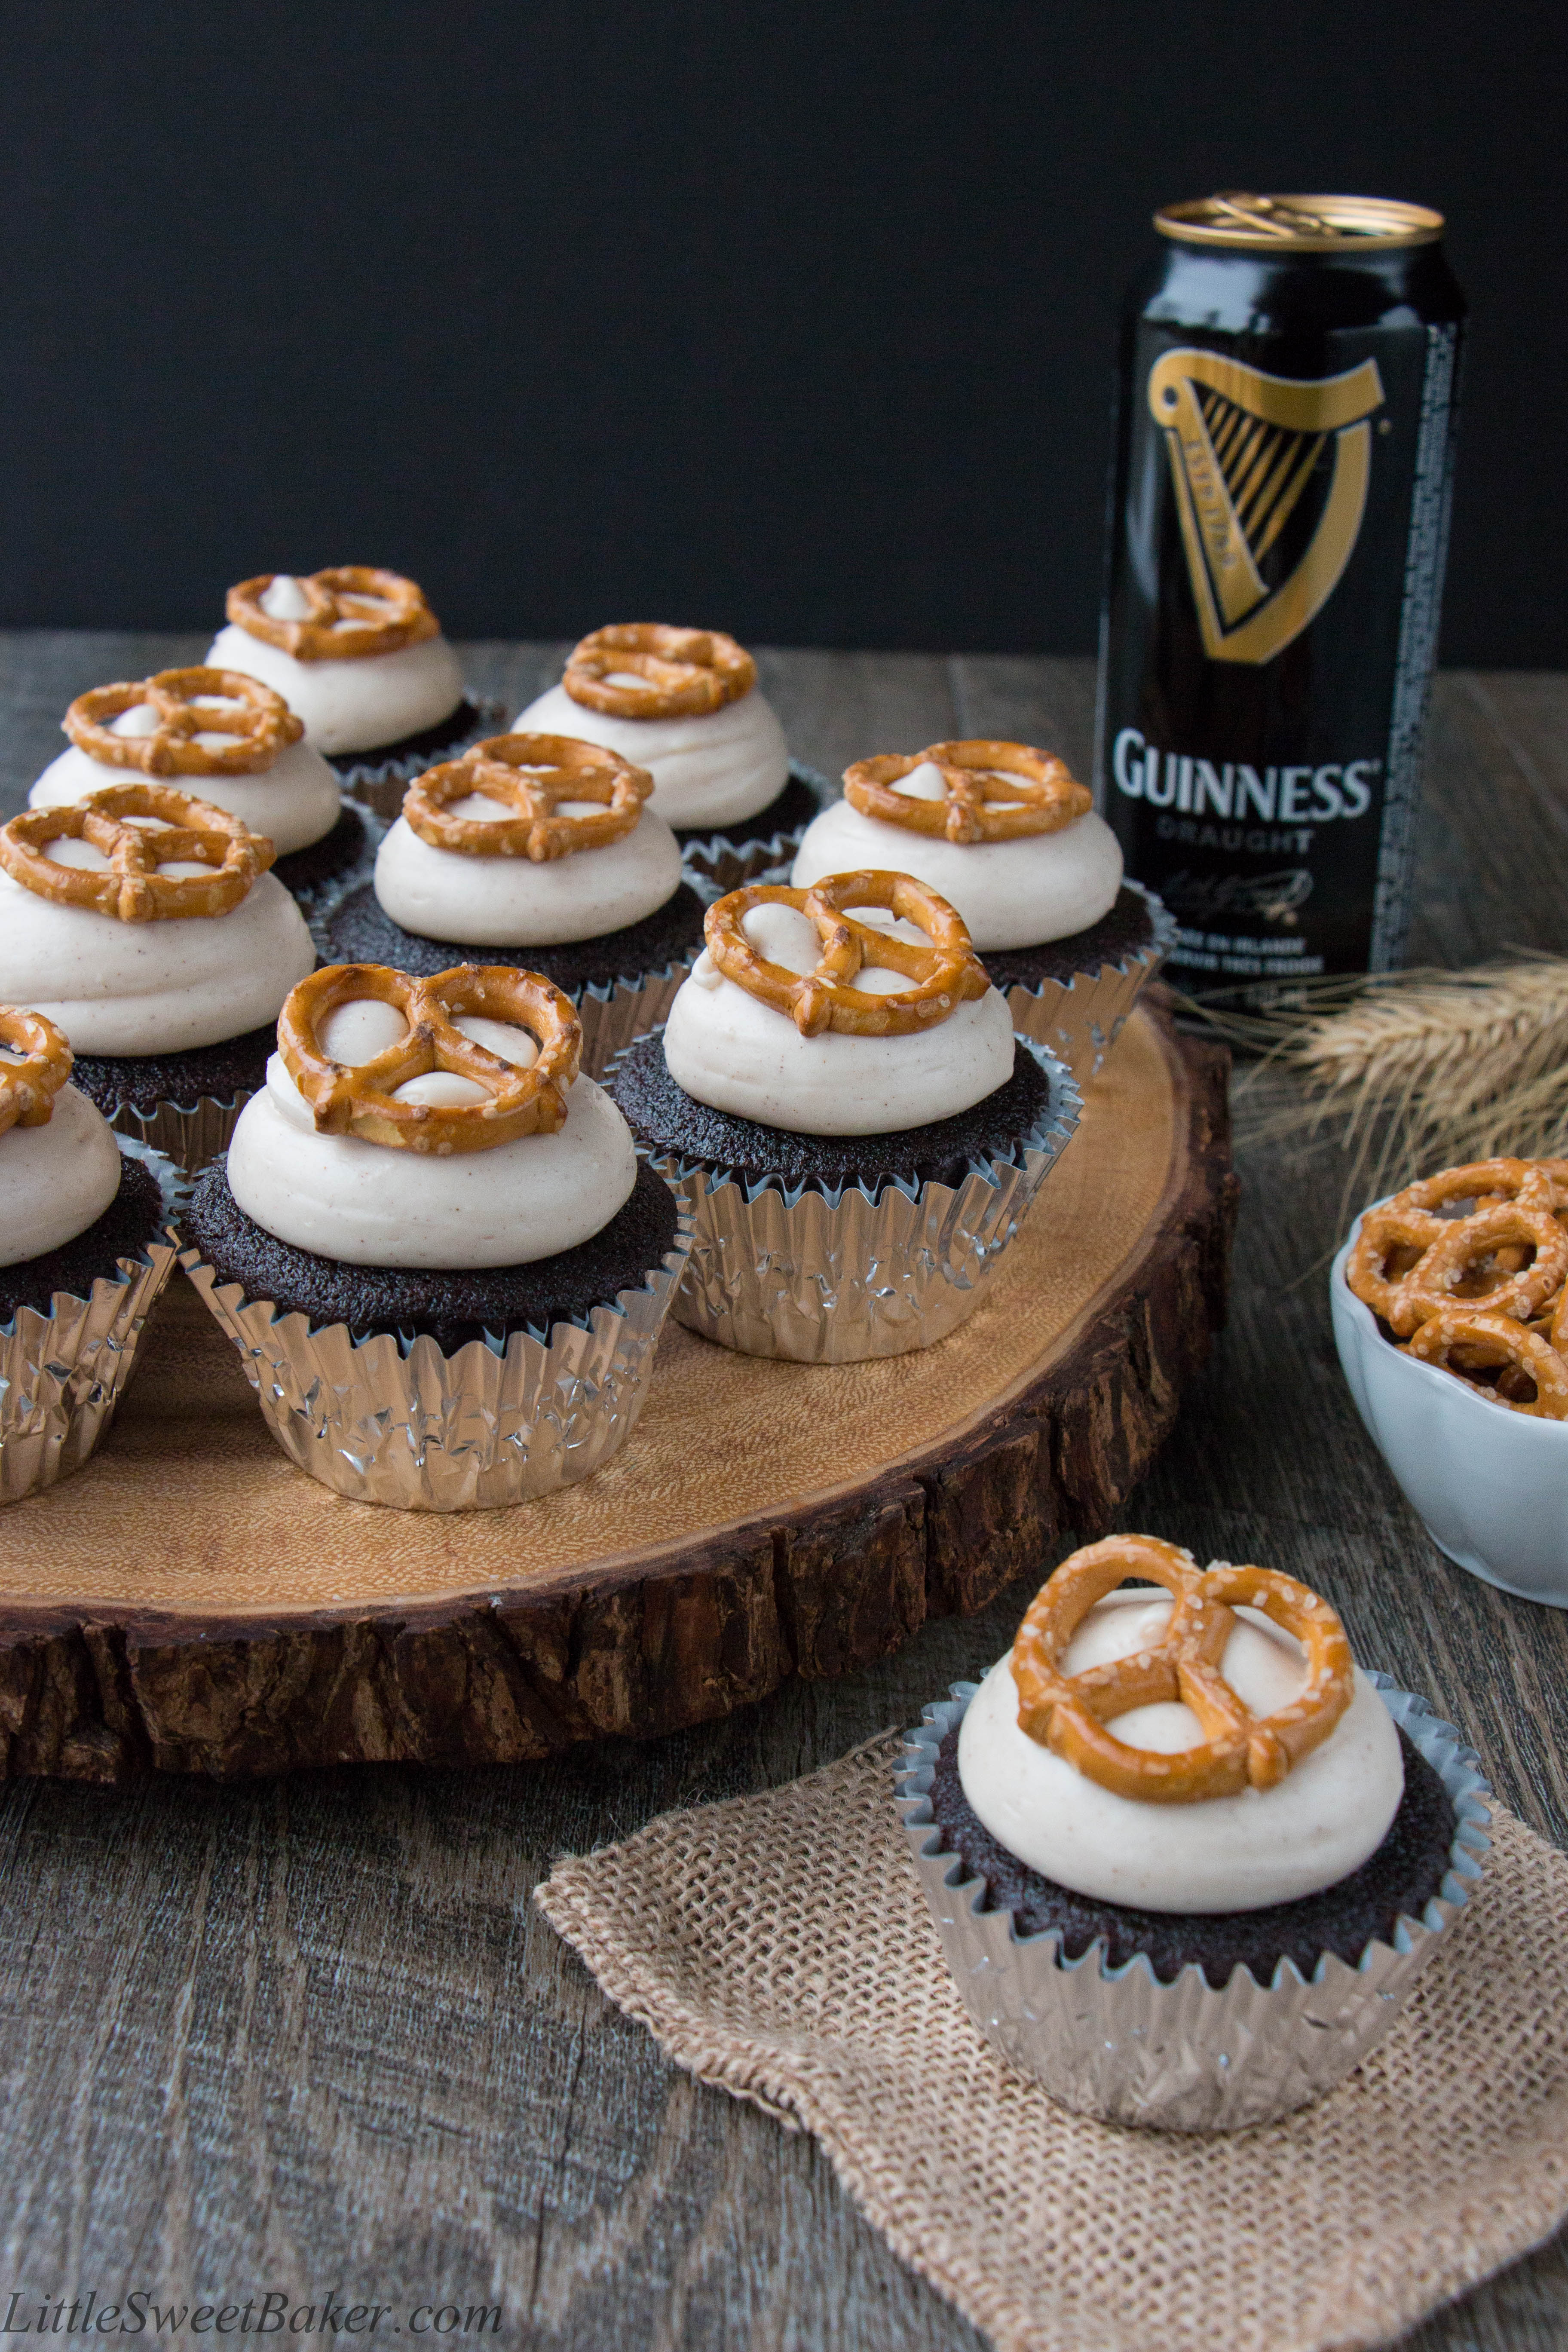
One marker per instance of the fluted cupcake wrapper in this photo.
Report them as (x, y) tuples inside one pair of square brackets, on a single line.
[(379, 783), (190, 1134), (1117, 2044), (63, 1373), (716, 864), (838, 1274), (1081, 1018), (398, 1421), (614, 1013)]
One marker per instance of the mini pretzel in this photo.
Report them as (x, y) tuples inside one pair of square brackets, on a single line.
[(682, 670), (1488, 1339), (1463, 1253), (358, 1098), (352, 593), (1044, 790), (28, 1087), (134, 891), (531, 773), (946, 974), (1068, 1713), (261, 727), (1484, 1182)]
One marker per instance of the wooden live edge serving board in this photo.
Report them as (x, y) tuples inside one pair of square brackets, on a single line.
[(192, 1603)]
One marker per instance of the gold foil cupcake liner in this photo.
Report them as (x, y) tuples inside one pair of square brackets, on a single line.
[(1119, 2045), (190, 1134), (63, 1373), (397, 1420), (378, 783), (1081, 1019), (838, 1274), (716, 864)]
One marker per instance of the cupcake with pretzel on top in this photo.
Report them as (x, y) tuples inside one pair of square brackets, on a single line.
[(1009, 837), (233, 741), (358, 654), (86, 1247), (685, 705), (543, 851), (146, 923), (1185, 1858), (839, 1097), (435, 1240)]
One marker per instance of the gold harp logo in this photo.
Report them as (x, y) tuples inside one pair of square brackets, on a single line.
[(1243, 447)]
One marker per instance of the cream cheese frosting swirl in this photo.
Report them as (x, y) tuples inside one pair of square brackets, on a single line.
[(1331, 1810), (728, 1050), (709, 768), (55, 1180), (294, 801), (368, 1205), (1022, 893), (511, 902), (347, 706)]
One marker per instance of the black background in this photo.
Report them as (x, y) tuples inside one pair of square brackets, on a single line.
[(788, 318)]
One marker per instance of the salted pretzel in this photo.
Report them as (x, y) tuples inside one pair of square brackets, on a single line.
[(1070, 1713), (1038, 791), (945, 975), (532, 774), (28, 1087), (359, 1098), (1491, 1340), (1510, 1259), (355, 609), (258, 722), (681, 671), (132, 890)]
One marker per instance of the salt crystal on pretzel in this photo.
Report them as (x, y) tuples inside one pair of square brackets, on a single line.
[(944, 975)]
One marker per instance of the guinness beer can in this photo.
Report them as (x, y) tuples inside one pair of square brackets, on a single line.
[(1284, 439)]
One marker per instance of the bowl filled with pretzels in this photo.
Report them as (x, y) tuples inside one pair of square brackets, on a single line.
[(1451, 1320)]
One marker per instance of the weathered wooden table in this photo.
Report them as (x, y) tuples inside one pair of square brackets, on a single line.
[(309, 2037)]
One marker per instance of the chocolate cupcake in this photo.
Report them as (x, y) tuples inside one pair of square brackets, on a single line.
[(540, 847), (847, 1113), (432, 1242), (236, 743), (86, 1247), (1006, 834), (1186, 1859), (357, 654), (685, 705), (146, 923)]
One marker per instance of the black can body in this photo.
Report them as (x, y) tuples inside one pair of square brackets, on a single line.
[(1283, 459)]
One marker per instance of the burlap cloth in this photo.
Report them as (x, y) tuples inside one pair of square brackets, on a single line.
[(779, 1945)]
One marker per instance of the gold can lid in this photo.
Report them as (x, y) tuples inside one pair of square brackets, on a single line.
[(1252, 224)]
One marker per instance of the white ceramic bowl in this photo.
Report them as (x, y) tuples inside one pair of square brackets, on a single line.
[(1491, 1487)]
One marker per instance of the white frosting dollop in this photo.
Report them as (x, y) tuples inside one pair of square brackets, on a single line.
[(150, 988), (1224, 1853), (350, 706), (55, 1180), (709, 768), (511, 902), (729, 1049), (294, 801), (375, 1204), (1012, 894)]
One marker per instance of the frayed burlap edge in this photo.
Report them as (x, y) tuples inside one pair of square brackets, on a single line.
[(1442, 2159)]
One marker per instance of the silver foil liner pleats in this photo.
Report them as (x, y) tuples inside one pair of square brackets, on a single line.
[(838, 1274), (378, 782), (63, 1373), (1081, 1019), (615, 1014), (394, 1420), (1119, 2045), (715, 864), (190, 1134)]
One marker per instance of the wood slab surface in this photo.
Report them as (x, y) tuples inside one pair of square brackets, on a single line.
[(307, 2033)]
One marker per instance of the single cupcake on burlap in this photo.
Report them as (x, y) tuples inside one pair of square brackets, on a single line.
[(545, 848), (145, 922), (1185, 1858), (685, 705), (235, 741), (841, 1100), (358, 654), (86, 1245), (1010, 838), (433, 1244)]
